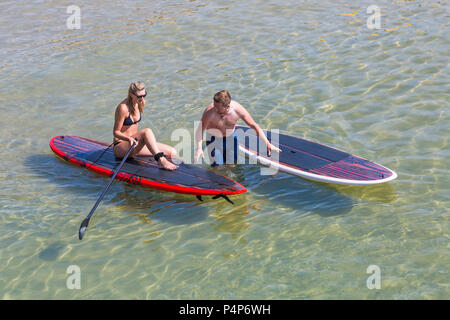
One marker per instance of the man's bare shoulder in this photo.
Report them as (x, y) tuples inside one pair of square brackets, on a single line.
[(235, 104), (237, 107), (208, 108)]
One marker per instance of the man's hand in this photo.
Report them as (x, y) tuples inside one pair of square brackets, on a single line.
[(271, 147), (199, 153)]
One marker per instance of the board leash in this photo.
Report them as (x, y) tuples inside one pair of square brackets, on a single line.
[(101, 154)]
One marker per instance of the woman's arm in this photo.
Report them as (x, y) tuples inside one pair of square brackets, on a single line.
[(119, 118)]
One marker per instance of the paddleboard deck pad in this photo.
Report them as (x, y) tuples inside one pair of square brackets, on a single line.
[(142, 170), (312, 160)]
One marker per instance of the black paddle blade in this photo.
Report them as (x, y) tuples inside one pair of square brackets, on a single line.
[(199, 197), (83, 227)]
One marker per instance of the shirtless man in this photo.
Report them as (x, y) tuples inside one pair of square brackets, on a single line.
[(219, 119)]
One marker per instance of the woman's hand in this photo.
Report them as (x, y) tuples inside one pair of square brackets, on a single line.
[(132, 140)]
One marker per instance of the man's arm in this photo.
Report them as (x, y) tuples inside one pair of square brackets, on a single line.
[(245, 115), (199, 137)]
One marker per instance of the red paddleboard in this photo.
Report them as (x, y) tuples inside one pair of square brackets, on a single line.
[(140, 170)]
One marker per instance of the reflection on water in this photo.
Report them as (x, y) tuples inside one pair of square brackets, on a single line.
[(51, 252), (377, 193)]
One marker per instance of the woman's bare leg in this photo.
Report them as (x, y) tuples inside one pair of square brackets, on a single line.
[(148, 146)]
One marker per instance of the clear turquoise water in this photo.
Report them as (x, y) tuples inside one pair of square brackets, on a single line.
[(310, 69)]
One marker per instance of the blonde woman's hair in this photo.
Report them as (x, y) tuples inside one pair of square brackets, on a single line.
[(135, 87)]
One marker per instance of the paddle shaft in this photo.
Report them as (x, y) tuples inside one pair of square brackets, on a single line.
[(85, 222)]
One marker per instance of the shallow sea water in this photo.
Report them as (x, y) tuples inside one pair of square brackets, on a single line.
[(311, 69)]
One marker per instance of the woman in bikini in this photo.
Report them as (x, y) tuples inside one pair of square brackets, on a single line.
[(127, 116)]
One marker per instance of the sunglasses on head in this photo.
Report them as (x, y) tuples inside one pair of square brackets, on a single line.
[(143, 96)]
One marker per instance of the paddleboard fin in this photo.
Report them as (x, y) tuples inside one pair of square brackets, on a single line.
[(221, 195), (199, 197)]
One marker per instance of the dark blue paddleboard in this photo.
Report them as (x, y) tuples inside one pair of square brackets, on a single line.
[(313, 160)]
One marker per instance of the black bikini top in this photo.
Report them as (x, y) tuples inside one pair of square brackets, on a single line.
[(128, 121)]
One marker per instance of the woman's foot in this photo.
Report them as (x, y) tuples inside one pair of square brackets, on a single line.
[(163, 163)]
